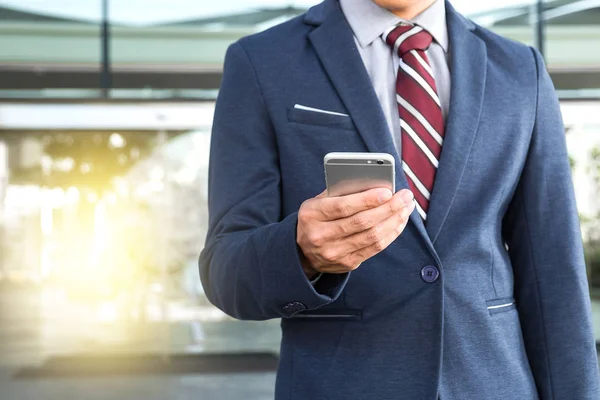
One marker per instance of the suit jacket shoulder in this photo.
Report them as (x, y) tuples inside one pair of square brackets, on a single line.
[(502, 51), (285, 37)]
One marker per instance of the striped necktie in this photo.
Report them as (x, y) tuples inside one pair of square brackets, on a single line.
[(419, 107)]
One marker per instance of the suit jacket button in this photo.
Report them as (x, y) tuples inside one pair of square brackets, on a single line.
[(430, 273)]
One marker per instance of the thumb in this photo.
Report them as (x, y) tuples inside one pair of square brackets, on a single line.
[(321, 195)]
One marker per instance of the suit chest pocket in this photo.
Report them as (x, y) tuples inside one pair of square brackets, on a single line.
[(322, 119)]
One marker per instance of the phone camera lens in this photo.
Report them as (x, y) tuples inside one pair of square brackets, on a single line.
[(379, 162)]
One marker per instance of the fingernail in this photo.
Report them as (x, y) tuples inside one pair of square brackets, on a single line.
[(407, 197), (384, 195)]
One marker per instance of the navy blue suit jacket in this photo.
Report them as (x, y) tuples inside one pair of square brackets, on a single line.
[(502, 225)]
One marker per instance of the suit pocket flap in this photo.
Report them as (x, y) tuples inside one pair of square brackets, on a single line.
[(329, 315), (306, 117), (497, 306)]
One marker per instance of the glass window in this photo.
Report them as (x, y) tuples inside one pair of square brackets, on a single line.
[(44, 47), (583, 140), (570, 31), (102, 216)]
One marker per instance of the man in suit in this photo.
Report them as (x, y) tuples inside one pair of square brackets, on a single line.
[(469, 282)]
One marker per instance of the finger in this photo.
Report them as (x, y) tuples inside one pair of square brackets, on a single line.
[(394, 223), (364, 254), (368, 219), (333, 208)]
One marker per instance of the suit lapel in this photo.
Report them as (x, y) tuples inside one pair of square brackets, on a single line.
[(334, 44), (468, 73)]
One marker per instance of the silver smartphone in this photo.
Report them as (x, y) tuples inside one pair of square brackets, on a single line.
[(348, 173)]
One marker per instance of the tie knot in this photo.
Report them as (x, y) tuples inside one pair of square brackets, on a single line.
[(404, 38)]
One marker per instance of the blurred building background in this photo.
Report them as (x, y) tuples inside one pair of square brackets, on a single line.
[(105, 118)]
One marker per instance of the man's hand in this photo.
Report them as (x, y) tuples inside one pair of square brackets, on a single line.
[(336, 234)]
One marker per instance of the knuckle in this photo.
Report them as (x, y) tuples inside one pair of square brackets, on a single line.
[(374, 234), (345, 209), (305, 214), (302, 217), (394, 207), (379, 246), (329, 255), (402, 219), (340, 208), (369, 201), (316, 239), (344, 229), (360, 222)]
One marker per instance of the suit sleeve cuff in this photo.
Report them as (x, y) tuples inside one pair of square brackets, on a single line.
[(285, 285)]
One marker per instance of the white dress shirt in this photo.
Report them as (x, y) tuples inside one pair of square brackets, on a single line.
[(368, 22)]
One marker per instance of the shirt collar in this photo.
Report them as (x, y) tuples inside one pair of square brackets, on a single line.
[(369, 21)]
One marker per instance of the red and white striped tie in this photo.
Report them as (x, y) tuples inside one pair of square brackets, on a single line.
[(421, 118)]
